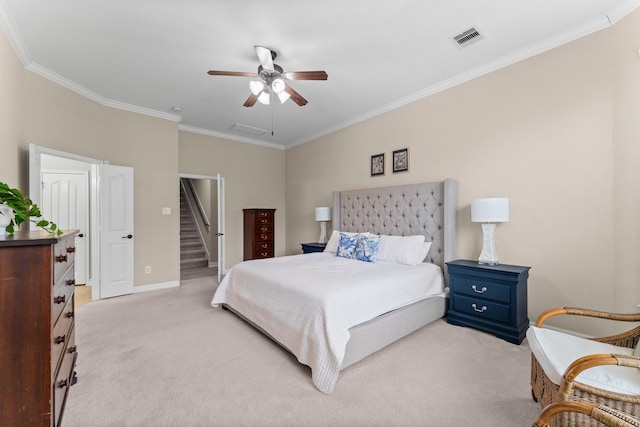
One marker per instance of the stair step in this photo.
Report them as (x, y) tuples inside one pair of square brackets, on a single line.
[(193, 263), (190, 254)]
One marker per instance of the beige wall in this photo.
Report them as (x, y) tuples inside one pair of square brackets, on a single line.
[(11, 95), (540, 132), (254, 178), (58, 118)]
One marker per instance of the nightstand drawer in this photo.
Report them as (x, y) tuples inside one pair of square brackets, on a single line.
[(482, 308), (481, 289)]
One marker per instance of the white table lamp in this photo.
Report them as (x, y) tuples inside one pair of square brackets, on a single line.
[(323, 215), (488, 212)]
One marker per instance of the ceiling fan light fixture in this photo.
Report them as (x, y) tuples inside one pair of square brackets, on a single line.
[(263, 98), (283, 96), (256, 86), (278, 85)]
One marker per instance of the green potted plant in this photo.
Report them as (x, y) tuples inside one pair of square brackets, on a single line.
[(23, 210)]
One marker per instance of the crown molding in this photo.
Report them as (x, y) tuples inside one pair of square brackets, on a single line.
[(532, 50), (208, 132)]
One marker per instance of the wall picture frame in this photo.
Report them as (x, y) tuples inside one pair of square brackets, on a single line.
[(401, 160), (377, 164)]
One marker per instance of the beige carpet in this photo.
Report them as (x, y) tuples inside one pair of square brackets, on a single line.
[(166, 358)]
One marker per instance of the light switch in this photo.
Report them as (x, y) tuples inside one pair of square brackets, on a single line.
[(166, 211)]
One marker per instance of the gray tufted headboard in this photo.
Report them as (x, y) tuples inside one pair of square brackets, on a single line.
[(428, 209)]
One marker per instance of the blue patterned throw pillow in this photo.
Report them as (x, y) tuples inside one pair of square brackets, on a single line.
[(347, 245), (367, 247)]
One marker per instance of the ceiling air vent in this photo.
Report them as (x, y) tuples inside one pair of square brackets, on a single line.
[(249, 130), (467, 37)]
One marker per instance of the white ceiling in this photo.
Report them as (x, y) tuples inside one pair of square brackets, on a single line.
[(150, 55)]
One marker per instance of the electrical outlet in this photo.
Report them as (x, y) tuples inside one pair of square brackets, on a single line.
[(147, 269)]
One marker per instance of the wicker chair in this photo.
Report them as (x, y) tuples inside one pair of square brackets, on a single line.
[(603, 414), (547, 392)]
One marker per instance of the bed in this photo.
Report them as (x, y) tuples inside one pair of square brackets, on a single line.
[(330, 311)]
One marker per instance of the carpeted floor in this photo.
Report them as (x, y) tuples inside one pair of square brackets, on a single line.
[(167, 358)]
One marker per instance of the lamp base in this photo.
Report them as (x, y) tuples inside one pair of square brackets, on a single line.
[(488, 256), (323, 232)]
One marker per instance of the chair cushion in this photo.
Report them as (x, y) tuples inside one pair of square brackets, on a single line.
[(555, 351)]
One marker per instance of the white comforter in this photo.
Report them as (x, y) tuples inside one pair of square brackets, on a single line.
[(308, 302)]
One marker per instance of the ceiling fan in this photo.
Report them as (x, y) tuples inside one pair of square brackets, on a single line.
[(271, 78)]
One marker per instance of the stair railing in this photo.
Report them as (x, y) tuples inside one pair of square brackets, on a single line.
[(201, 211)]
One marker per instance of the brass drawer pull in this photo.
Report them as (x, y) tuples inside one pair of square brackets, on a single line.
[(481, 310), (59, 340), (59, 299), (61, 258), (69, 314), (71, 249), (72, 349), (71, 282), (62, 384), (481, 291)]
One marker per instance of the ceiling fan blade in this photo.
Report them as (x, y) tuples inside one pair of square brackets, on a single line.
[(266, 58), (231, 73), (251, 100), (306, 75), (295, 96)]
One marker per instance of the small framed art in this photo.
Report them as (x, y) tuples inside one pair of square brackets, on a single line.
[(401, 160), (377, 164)]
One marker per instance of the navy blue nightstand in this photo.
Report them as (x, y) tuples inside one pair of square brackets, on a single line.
[(308, 248), (489, 298)]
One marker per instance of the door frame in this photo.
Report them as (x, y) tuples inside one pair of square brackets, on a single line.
[(35, 194), (221, 206)]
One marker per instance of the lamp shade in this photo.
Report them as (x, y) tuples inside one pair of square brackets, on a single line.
[(495, 209), (323, 214)]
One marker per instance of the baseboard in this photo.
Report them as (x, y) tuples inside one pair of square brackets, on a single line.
[(213, 264), (156, 286)]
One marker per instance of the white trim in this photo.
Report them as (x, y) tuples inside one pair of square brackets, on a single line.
[(156, 286), (63, 81), (208, 132), (535, 49), (213, 264)]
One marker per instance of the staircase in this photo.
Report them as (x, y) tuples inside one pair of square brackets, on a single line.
[(192, 254)]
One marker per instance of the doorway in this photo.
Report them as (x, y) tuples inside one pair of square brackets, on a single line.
[(202, 248), (62, 167)]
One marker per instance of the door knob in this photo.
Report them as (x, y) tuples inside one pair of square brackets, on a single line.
[(128, 236)]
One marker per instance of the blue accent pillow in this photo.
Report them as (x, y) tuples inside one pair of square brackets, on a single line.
[(367, 247), (347, 245)]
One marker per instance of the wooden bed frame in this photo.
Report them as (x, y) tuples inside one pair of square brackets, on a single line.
[(428, 209)]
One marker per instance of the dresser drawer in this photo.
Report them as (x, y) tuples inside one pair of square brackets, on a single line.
[(63, 379), (482, 289), (264, 253), (264, 228), (63, 256), (62, 292), (482, 308), (264, 237), (62, 334)]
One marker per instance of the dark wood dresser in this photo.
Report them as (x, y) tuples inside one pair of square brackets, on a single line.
[(38, 351), (258, 233)]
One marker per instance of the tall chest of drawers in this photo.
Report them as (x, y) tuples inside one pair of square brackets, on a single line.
[(258, 233), (38, 351)]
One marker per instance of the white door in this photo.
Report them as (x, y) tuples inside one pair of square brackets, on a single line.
[(220, 234), (65, 201), (116, 224)]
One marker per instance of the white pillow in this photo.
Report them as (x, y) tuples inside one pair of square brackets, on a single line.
[(334, 240), (401, 249), (424, 251)]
